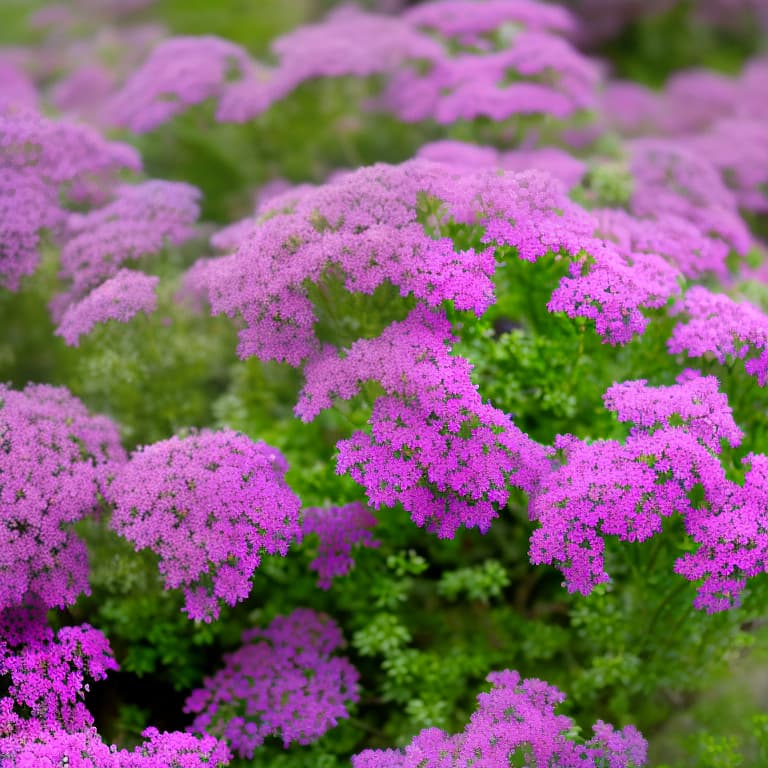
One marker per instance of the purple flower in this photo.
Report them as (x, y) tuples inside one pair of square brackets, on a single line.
[(48, 673), (54, 460), (515, 719), (625, 490), (282, 682), (732, 540), (670, 178), (209, 505), (610, 287), (179, 73), (140, 221), (42, 163), (694, 403), (717, 325), (364, 226), (434, 445), (119, 298), (338, 530)]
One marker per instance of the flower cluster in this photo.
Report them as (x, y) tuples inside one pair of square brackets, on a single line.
[(209, 505), (85, 749), (611, 286), (512, 59), (282, 682), (434, 445), (137, 223), (48, 675), (44, 162), (626, 489), (120, 298), (364, 226), (338, 529), (717, 325), (732, 541), (718, 119), (55, 459), (670, 178), (460, 154), (514, 721)]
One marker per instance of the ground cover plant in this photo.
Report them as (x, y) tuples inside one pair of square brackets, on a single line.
[(383, 385)]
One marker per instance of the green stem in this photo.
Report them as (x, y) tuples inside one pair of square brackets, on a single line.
[(680, 587)]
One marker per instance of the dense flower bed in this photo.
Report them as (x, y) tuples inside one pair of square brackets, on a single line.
[(362, 357)]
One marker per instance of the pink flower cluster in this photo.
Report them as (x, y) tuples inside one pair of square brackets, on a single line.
[(717, 118), (55, 459), (717, 325), (120, 298), (283, 681), (512, 59), (611, 286), (179, 73), (47, 673), (43, 719), (732, 540), (209, 505), (138, 222), (514, 721), (364, 227), (338, 529), (608, 488), (434, 446), (671, 178), (496, 73), (42, 163), (38, 747)]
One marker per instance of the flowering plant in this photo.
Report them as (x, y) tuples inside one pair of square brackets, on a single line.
[(384, 383)]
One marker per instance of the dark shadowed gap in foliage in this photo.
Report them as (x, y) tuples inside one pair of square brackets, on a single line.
[(156, 697)]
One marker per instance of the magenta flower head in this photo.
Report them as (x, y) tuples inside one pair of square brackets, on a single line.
[(140, 221), (44, 164), (434, 445), (55, 459), (694, 403), (515, 720), (283, 681), (714, 324), (119, 298), (670, 178), (483, 44), (209, 505), (626, 489), (732, 541), (179, 73), (37, 746), (48, 677), (338, 530), (364, 226)]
